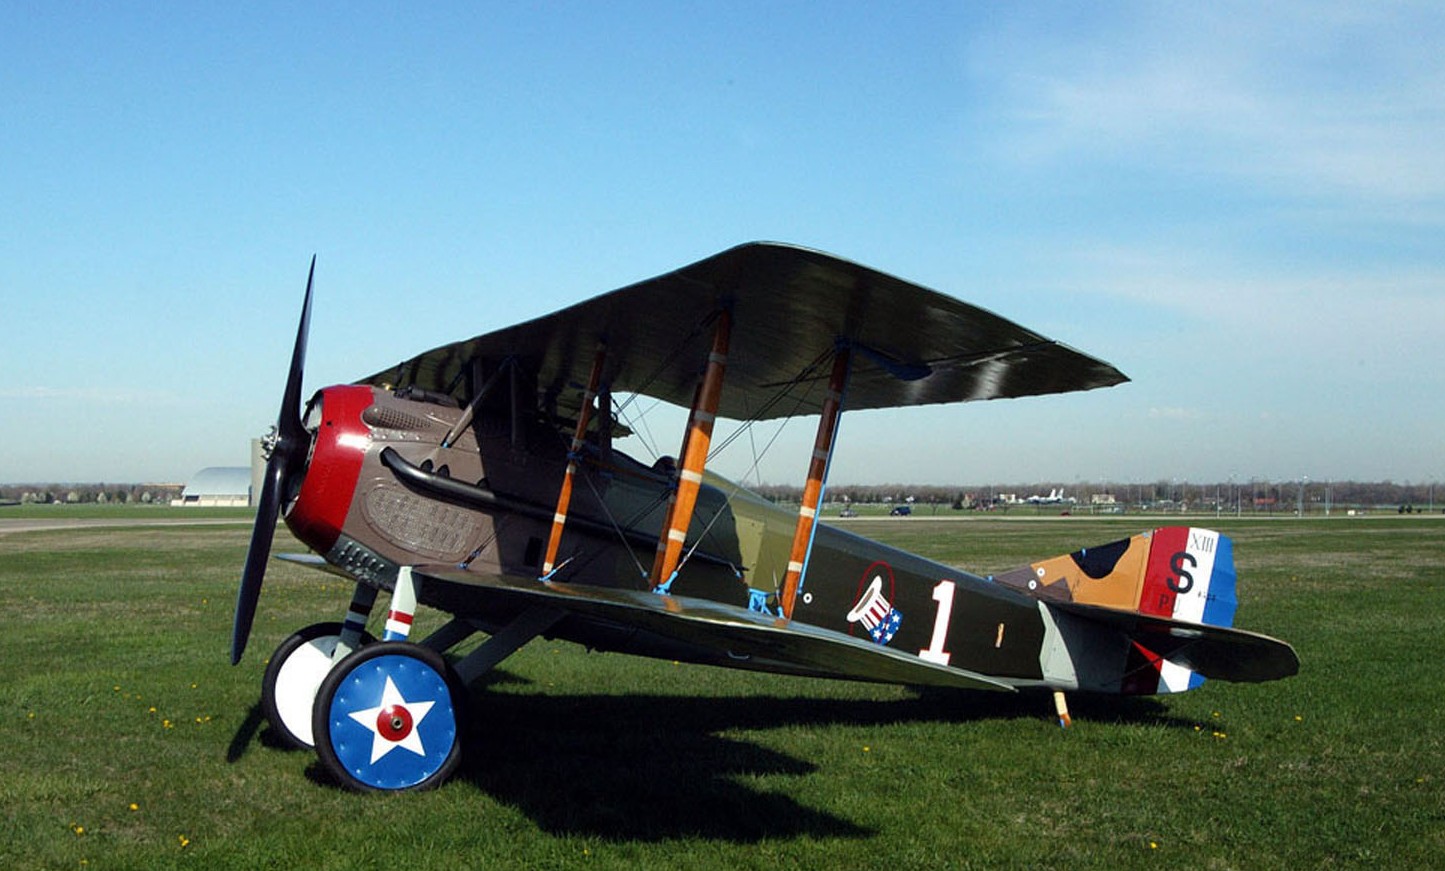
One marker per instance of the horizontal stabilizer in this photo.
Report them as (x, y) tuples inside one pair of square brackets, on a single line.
[(723, 633), (1210, 651)]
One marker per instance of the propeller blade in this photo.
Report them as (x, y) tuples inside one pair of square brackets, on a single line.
[(290, 442), (288, 423), (256, 556)]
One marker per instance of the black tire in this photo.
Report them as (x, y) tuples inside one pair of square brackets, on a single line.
[(290, 715), (390, 717)]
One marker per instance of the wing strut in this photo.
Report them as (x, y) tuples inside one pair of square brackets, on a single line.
[(694, 457), (817, 478), (564, 497)]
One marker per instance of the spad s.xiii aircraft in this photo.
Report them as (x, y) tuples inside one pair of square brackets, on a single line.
[(480, 478)]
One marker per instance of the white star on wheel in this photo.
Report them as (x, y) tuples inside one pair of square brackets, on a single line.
[(382, 745)]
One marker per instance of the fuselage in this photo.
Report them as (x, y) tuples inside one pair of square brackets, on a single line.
[(395, 481)]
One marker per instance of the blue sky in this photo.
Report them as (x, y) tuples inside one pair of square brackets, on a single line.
[(1241, 207)]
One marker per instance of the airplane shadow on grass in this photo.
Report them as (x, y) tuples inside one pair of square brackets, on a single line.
[(653, 768)]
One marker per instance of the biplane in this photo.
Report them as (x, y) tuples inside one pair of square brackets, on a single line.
[(481, 479)]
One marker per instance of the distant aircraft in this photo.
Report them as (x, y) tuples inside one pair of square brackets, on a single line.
[(480, 478), (1055, 497)]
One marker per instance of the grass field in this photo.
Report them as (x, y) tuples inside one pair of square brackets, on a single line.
[(127, 741)]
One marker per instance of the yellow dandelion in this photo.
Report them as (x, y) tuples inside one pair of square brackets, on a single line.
[(1153, 845), (116, 687), (1298, 718), (30, 716), (134, 806), (166, 723), (867, 749), (79, 830), (185, 842), (153, 709), (1215, 714)]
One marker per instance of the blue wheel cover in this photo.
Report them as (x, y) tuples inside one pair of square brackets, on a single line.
[(392, 722)]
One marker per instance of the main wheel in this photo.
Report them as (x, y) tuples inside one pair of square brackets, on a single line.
[(390, 717), (288, 690)]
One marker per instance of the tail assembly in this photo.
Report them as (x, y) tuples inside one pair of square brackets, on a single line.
[(1169, 595), (1181, 573)]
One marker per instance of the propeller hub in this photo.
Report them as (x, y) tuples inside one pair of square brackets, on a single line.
[(269, 441)]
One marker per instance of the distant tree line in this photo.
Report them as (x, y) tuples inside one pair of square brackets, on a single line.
[(122, 494), (1244, 496)]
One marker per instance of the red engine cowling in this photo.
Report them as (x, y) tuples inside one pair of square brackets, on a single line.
[(339, 446)]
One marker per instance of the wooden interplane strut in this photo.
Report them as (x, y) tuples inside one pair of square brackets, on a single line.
[(564, 497), (817, 478), (695, 446)]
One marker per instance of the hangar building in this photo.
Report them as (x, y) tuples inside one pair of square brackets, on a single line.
[(232, 486), (218, 485)]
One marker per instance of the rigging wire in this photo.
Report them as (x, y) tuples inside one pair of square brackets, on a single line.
[(642, 429)]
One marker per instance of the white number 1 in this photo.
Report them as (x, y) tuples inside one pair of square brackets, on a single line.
[(943, 595)]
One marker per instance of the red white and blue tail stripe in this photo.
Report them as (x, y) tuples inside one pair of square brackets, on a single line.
[(1190, 577)]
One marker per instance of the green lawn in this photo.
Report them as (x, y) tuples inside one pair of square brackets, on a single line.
[(128, 741), (128, 513)]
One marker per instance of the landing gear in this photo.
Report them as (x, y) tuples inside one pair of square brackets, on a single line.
[(390, 717), (292, 677)]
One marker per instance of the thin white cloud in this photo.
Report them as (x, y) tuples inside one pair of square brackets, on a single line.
[(1324, 101), (1373, 307)]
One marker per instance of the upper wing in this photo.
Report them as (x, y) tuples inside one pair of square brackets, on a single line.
[(729, 634), (790, 307)]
